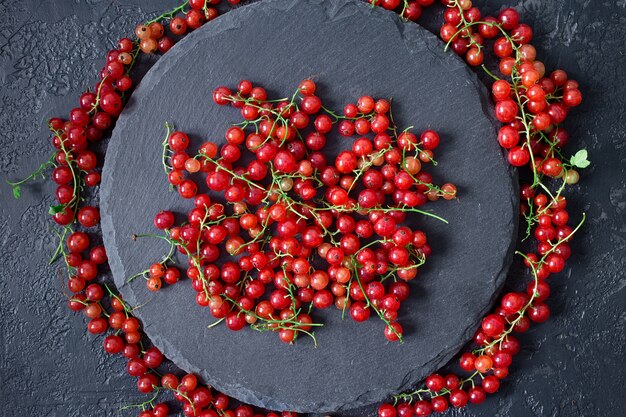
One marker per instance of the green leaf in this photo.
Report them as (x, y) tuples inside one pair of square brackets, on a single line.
[(579, 160), (56, 209), (17, 192)]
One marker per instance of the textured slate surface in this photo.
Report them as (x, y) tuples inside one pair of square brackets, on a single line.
[(353, 365), (570, 366)]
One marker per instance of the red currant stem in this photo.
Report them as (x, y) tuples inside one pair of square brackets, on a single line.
[(37, 174), (432, 160), (547, 191), (290, 203), (127, 309), (104, 311), (198, 265), (251, 100), (554, 97), (96, 103), (372, 243), (394, 128), (252, 103), (164, 261), (367, 164), (185, 396), (247, 123), (368, 303), (338, 117), (134, 54), (60, 249), (297, 176), (391, 273), (564, 239), (76, 180), (392, 121), (332, 113), (215, 323), (274, 324), (383, 210), (166, 148), (258, 236), (489, 73), (137, 275), (327, 232), (404, 7), (152, 370), (158, 390), (345, 302), (232, 173), (220, 412), (430, 186), (465, 25), (166, 238), (527, 131), (168, 15), (148, 403), (85, 303), (203, 225), (410, 397), (292, 296), (282, 195), (554, 149), (130, 312), (197, 259), (530, 219)]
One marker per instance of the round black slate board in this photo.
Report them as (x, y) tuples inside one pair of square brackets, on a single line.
[(350, 49)]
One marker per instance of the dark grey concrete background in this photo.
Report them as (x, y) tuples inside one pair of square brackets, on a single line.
[(49, 53)]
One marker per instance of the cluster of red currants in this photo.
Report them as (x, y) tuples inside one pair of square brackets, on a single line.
[(532, 106), (106, 310), (75, 165), (152, 37), (496, 345), (530, 103), (74, 168), (195, 399), (300, 230), (409, 9)]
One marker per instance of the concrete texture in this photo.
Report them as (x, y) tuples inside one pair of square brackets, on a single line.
[(50, 52)]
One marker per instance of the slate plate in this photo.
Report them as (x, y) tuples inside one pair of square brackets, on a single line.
[(350, 49)]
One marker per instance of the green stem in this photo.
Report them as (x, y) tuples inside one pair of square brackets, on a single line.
[(37, 174)]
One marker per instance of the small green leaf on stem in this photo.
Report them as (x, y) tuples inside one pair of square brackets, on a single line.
[(579, 160), (17, 192), (56, 209)]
